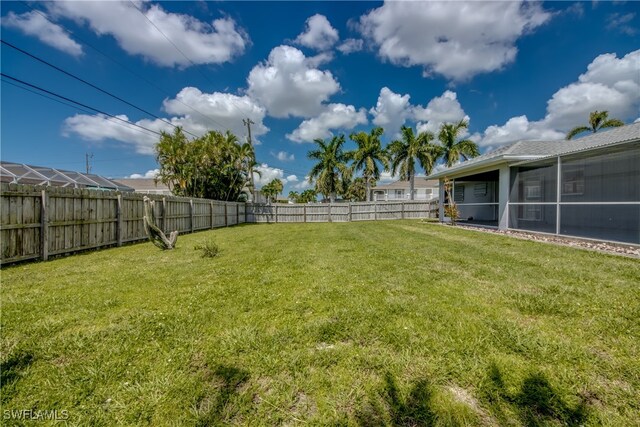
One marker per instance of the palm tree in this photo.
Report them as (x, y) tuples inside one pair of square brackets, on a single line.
[(405, 152), (452, 149), (368, 155), (330, 170), (597, 120)]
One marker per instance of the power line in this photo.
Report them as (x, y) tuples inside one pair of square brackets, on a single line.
[(149, 82), (76, 102), (24, 52), (74, 107)]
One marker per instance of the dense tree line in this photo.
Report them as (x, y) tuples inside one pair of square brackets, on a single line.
[(334, 168)]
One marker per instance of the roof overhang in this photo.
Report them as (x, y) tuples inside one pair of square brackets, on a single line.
[(486, 165)]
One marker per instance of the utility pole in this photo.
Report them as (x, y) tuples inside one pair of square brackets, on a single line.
[(248, 122), (87, 158)]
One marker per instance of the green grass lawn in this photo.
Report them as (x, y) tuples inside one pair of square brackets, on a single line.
[(376, 323)]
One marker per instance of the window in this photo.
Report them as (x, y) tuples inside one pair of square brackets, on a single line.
[(531, 213), (532, 190), (480, 189), (458, 193), (399, 194), (573, 181)]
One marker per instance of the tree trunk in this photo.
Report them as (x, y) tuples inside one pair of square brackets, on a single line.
[(332, 198), (368, 198), (411, 185)]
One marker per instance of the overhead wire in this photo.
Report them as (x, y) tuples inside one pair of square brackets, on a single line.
[(76, 102), (24, 52), (120, 64)]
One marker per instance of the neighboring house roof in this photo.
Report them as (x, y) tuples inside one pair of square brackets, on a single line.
[(144, 184), (19, 173), (418, 183), (534, 150)]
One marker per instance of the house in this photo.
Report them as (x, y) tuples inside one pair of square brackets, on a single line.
[(146, 186), (20, 173), (588, 187), (423, 189)]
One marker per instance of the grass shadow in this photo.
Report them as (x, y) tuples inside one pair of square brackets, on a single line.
[(537, 402), (11, 370), (229, 379), (390, 407)]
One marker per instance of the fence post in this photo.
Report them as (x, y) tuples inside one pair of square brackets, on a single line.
[(402, 210), (237, 213), (276, 205), (119, 220), (44, 231), (164, 214), (305, 212), (226, 224), (329, 211), (191, 214), (212, 218), (349, 217), (375, 211)]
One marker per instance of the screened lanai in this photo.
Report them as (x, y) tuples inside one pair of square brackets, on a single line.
[(594, 194), (18, 173)]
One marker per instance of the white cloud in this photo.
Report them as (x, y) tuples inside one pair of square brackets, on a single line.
[(283, 156), (268, 174), (288, 84), (351, 45), (318, 34), (335, 116), (99, 127), (202, 42), (305, 184), (610, 83), (441, 109), (150, 174), (34, 24), (216, 111), (622, 23), (515, 129), (455, 39), (221, 111), (391, 110)]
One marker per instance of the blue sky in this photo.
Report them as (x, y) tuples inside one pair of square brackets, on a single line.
[(305, 70)]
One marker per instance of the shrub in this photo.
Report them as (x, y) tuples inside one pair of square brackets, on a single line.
[(209, 249)]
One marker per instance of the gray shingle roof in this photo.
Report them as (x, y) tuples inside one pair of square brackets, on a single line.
[(531, 150)]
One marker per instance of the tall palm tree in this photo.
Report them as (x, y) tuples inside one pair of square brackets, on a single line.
[(330, 170), (597, 120), (452, 149), (368, 156), (405, 152)]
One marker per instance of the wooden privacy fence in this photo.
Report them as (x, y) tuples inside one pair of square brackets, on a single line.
[(39, 222), (341, 212), (80, 219)]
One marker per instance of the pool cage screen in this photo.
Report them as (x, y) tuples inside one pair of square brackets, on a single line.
[(594, 195)]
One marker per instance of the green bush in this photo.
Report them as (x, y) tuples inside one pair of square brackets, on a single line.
[(209, 249)]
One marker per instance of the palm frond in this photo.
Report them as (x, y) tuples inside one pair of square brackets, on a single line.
[(575, 131)]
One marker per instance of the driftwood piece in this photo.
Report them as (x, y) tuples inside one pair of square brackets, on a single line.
[(156, 236)]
